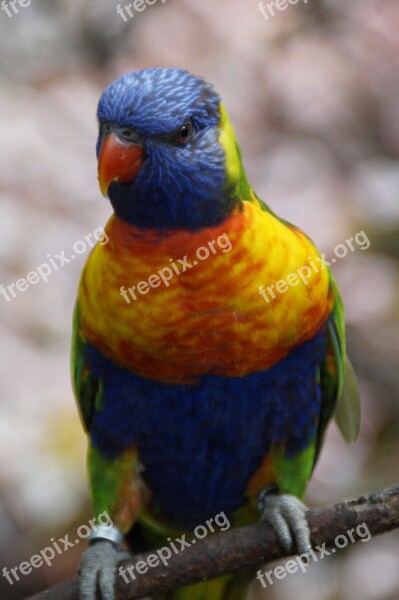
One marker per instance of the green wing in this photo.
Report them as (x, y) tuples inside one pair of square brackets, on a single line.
[(347, 413), (87, 388), (339, 392)]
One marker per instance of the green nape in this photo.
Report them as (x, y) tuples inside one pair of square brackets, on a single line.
[(237, 181)]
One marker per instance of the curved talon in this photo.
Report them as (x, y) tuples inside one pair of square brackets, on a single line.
[(98, 564), (286, 514)]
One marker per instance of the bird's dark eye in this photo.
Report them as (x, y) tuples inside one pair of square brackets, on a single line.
[(183, 135), (128, 134)]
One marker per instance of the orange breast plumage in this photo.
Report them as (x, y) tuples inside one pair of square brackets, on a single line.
[(173, 305)]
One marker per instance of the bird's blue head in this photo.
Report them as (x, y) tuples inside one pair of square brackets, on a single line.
[(167, 154)]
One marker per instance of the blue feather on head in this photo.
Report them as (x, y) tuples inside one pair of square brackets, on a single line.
[(179, 185)]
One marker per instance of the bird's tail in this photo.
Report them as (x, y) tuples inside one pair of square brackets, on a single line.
[(229, 587)]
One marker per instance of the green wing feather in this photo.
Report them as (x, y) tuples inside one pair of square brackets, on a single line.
[(87, 388), (347, 413), (339, 390)]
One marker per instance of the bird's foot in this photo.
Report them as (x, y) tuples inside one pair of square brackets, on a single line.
[(286, 514), (97, 568)]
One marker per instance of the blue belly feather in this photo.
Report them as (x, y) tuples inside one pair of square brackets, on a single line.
[(200, 444)]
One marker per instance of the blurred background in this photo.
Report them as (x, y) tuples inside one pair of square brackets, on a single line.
[(314, 96)]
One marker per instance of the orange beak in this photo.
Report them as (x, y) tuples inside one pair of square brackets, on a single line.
[(119, 161)]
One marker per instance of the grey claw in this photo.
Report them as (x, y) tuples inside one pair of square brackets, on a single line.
[(286, 514), (98, 565)]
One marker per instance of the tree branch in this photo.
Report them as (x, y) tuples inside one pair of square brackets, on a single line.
[(244, 547)]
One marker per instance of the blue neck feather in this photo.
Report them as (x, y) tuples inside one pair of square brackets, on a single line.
[(192, 196)]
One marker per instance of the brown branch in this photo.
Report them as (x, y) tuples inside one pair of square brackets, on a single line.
[(244, 547)]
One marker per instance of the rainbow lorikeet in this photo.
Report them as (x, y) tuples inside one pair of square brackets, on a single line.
[(199, 392)]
